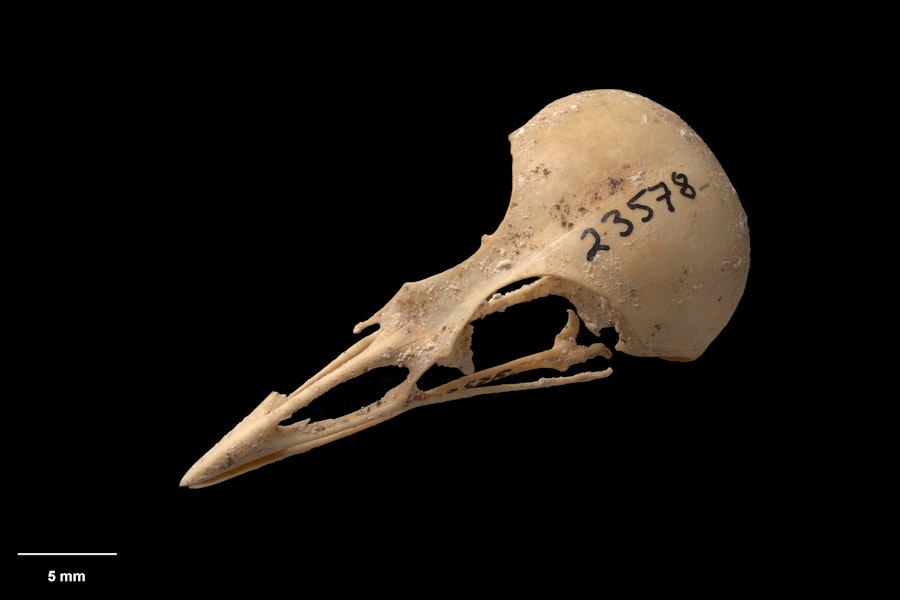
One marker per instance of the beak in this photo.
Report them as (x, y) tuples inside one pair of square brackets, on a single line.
[(259, 440)]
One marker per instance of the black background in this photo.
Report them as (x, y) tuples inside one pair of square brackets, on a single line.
[(209, 207)]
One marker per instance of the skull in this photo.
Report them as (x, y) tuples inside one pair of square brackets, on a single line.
[(617, 205)]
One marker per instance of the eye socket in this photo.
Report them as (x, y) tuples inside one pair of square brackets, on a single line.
[(527, 328)]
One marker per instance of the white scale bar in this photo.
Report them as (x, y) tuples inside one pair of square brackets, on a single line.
[(68, 553)]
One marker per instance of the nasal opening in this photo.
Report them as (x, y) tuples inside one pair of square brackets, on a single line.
[(351, 395)]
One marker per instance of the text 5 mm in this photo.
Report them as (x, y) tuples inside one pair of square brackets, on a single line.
[(60, 577)]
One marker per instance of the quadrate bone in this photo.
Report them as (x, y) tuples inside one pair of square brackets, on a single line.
[(617, 205)]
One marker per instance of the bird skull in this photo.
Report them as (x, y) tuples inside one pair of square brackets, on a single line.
[(617, 205)]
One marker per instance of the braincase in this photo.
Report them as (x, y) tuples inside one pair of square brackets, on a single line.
[(643, 215)]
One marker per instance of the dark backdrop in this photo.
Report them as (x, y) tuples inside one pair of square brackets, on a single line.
[(208, 211)]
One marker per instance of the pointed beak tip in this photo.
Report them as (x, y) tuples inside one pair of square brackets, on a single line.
[(193, 478)]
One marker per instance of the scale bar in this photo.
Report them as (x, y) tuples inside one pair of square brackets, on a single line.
[(68, 553)]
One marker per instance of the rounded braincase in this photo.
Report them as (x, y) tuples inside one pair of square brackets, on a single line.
[(650, 220)]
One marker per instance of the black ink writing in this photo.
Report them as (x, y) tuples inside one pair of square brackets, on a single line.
[(597, 247), (617, 219), (684, 188), (483, 380), (635, 206), (666, 195), (680, 179)]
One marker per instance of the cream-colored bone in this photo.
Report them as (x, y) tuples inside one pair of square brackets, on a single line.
[(617, 205)]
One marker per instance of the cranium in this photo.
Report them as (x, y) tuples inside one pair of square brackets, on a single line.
[(617, 205)]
